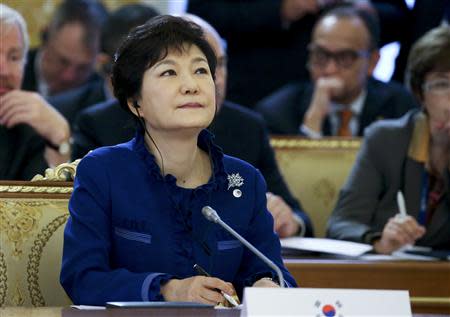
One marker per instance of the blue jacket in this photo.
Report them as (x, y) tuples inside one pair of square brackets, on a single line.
[(131, 229)]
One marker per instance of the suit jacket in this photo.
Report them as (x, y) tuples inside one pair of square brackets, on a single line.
[(29, 82), (72, 102), (22, 153), (368, 199), (30, 78), (107, 124), (130, 230), (422, 18), (284, 109)]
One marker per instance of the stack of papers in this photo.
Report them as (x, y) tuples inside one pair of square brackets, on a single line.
[(360, 250), (346, 248)]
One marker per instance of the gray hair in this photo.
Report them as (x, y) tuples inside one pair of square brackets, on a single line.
[(10, 17), (206, 26)]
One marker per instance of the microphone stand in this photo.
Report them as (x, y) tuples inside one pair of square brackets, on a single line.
[(212, 215)]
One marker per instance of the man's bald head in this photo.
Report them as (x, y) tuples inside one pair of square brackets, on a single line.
[(219, 46)]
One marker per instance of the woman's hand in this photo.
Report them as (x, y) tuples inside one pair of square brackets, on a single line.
[(200, 289), (265, 282), (397, 233)]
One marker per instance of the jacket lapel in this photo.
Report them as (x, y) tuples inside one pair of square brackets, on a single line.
[(371, 108)]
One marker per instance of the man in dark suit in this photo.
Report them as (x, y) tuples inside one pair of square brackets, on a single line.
[(115, 29), (107, 124), (27, 122), (69, 49), (343, 98), (267, 39)]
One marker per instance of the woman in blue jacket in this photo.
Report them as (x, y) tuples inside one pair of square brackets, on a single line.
[(136, 229)]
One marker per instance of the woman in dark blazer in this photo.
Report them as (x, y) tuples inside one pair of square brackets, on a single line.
[(136, 227)]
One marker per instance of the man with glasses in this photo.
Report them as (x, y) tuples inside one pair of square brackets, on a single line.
[(343, 98), (410, 155), (69, 50)]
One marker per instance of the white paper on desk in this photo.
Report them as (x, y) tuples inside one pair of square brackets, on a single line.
[(87, 307), (408, 256), (219, 307), (326, 245), (379, 257)]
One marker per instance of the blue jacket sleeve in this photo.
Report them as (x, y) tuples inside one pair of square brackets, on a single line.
[(86, 273), (252, 268)]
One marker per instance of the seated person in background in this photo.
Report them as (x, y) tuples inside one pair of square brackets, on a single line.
[(410, 154), (136, 227), (27, 121), (114, 30), (69, 49), (268, 38), (343, 98), (107, 124)]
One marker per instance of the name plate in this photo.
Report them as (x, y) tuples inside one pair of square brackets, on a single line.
[(325, 302)]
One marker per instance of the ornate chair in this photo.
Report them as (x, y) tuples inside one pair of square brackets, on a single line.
[(32, 219), (315, 170)]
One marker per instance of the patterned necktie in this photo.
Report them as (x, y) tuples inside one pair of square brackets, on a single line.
[(344, 119)]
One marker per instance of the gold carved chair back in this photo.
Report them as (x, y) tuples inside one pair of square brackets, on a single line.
[(315, 170), (32, 219)]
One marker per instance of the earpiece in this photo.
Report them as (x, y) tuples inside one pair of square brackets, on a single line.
[(135, 104)]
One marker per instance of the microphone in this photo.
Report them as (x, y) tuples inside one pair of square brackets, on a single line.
[(211, 215)]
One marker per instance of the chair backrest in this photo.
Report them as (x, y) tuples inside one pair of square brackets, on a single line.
[(315, 170), (32, 220)]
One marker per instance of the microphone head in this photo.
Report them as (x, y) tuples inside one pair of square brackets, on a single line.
[(210, 214)]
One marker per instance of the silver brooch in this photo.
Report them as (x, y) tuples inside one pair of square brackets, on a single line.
[(235, 180)]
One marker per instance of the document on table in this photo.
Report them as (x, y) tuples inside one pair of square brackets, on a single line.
[(87, 307), (422, 253), (331, 246)]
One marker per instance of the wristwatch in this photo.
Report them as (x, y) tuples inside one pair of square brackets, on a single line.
[(63, 148)]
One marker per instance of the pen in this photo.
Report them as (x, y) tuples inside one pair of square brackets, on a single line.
[(401, 204), (402, 213), (202, 272)]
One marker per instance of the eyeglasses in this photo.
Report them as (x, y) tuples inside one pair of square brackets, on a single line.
[(320, 57), (437, 86)]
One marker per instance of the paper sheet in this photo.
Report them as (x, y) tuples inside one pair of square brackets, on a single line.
[(87, 307), (346, 248)]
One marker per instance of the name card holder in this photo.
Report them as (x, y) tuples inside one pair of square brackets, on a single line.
[(325, 302)]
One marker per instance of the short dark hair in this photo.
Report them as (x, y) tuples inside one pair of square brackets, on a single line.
[(91, 14), (121, 22), (430, 53), (369, 20), (148, 44)]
